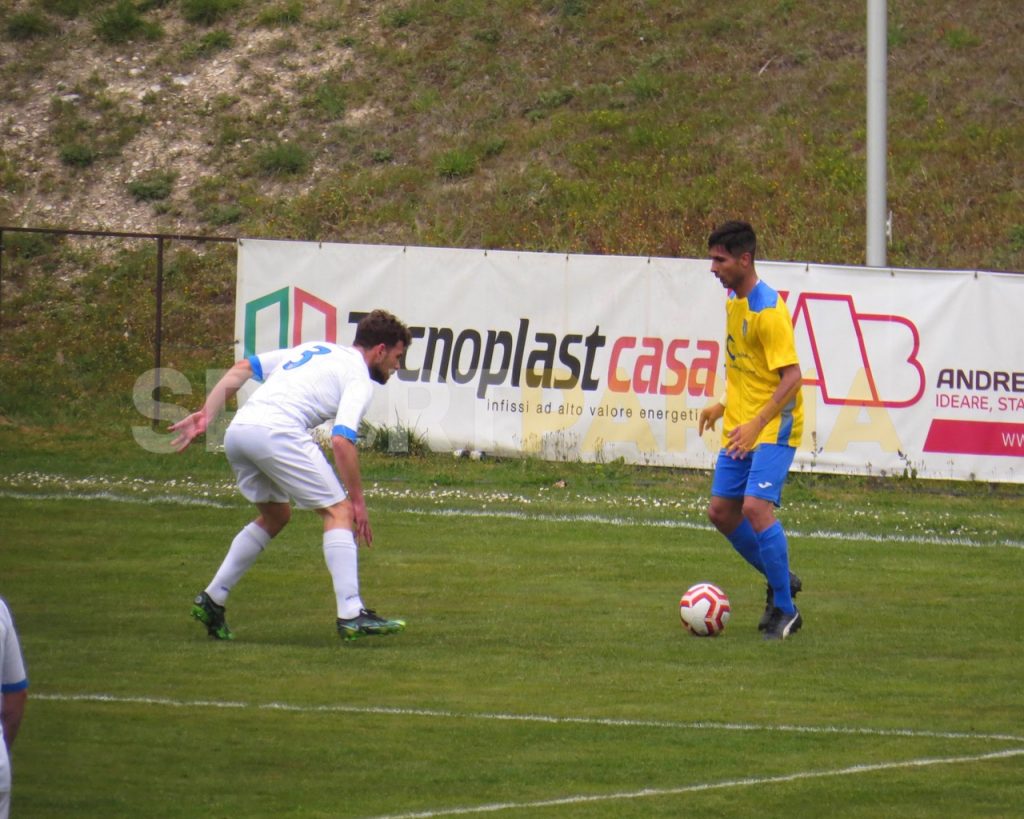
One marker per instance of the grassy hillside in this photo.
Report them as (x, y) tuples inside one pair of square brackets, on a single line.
[(560, 125), (568, 125)]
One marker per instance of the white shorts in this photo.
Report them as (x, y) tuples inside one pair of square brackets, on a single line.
[(278, 465)]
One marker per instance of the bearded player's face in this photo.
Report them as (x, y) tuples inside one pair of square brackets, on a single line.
[(386, 360)]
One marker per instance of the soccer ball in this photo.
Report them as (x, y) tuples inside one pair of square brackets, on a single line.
[(704, 610)]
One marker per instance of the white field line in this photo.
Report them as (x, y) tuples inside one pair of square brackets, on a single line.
[(821, 534), (603, 722), (580, 799), (648, 793), (546, 719), (542, 517), (116, 497)]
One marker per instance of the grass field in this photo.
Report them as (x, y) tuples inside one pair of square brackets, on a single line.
[(544, 672)]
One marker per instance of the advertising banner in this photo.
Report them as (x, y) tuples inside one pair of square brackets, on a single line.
[(595, 358)]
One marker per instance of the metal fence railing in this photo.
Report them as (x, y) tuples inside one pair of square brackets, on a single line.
[(158, 284)]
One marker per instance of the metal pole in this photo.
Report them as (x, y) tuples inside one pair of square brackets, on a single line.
[(877, 148), (158, 336)]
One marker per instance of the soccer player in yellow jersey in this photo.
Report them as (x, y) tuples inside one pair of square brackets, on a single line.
[(763, 422)]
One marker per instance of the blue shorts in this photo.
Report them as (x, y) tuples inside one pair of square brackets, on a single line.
[(760, 475)]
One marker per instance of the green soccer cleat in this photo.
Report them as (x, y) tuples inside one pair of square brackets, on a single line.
[(366, 624), (212, 616)]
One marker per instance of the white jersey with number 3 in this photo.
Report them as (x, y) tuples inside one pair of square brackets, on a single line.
[(306, 385)]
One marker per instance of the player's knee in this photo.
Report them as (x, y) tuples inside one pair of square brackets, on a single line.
[(722, 517), (284, 519), (759, 512), (714, 515), (339, 516), (275, 517)]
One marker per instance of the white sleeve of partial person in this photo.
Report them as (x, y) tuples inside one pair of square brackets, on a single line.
[(12, 665)]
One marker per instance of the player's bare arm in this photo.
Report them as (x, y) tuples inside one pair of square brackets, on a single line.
[(346, 458), (11, 713), (743, 438), (790, 380), (192, 426)]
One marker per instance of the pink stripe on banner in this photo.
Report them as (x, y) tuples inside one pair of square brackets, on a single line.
[(975, 437)]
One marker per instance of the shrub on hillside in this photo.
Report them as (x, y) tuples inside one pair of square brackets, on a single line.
[(27, 25), (207, 12), (153, 185), (124, 22), (282, 159)]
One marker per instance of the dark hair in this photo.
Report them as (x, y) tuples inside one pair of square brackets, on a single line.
[(736, 237), (381, 327)]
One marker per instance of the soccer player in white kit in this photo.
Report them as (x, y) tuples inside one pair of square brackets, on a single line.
[(13, 693), (276, 461)]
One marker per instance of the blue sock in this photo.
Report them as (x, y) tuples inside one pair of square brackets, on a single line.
[(744, 541), (775, 557)]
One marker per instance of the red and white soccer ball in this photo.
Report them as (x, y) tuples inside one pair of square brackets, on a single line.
[(704, 610)]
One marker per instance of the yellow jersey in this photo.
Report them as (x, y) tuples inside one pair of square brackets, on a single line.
[(759, 342)]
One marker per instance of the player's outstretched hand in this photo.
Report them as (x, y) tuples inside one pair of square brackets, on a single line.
[(709, 417), (188, 428)]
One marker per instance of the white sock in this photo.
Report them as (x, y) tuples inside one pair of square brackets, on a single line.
[(342, 557), (245, 548)]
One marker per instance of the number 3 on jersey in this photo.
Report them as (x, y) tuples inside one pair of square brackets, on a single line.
[(307, 355)]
